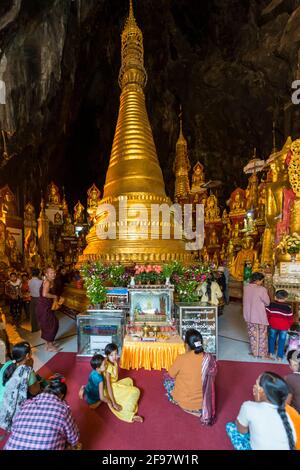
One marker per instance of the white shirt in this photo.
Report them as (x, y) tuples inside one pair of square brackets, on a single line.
[(266, 428), (34, 286)]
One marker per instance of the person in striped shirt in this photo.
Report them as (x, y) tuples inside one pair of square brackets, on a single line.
[(280, 317), (45, 422)]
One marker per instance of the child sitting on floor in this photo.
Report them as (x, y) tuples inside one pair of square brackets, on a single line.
[(123, 394), (93, 391)]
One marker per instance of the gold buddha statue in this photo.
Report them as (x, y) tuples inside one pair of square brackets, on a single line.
[(58, 219), (225, 217), (235, 231), (93, 201), (252, 192), (78, 214), (198, 178), (205, 255), (247, 253), (9, 206), (212, 211), (261, 203), (230, 253), (294, 178), (213, 239), (223, 253), (64, 207), (69, 229), (3, 256), (274, 199), (237, 203), (53, 195), (29, 213), (215, 259), (60, 247), (14, 252)]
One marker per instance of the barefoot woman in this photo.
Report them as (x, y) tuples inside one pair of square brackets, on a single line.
[(46, 317)]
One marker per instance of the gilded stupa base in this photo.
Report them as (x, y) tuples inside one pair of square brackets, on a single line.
[(138, 252)]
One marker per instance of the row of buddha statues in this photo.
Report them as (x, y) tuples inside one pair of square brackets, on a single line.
[(49, 239), (256, 218)]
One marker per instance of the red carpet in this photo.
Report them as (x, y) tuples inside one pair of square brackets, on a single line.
[(166, 427)]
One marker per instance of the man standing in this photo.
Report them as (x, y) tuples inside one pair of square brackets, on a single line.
[(34, 288)]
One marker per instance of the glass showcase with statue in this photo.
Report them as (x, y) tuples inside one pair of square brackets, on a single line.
[(153, 304)]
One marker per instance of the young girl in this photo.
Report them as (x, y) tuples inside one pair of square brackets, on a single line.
[(123, 395), (93, 391), (264, 424)]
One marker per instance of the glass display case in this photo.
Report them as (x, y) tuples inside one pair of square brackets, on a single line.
[(97, 328), (151, 304), (201, 317)]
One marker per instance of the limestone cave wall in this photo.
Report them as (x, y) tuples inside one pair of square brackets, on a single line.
[(230, 63)]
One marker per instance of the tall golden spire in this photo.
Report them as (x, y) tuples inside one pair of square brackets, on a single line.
[(133, 173), (181, 166), (133, 165)]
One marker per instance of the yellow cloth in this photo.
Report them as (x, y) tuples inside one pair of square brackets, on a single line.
[(125, 393), (153, 355)]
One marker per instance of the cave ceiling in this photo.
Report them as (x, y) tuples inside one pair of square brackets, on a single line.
[(229, 63)]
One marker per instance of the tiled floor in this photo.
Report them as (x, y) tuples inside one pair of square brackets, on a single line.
[(233, 340)]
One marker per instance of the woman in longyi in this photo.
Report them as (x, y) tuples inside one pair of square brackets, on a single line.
[(123, 394)]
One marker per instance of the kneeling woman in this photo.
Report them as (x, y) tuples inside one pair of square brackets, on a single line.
[(191, 382)]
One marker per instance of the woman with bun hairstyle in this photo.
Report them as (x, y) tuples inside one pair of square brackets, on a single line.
[(45, 422), (191, 384)]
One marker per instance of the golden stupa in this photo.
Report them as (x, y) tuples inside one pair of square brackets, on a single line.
[(134, 176)]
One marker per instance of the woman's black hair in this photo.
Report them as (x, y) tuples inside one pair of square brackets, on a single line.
[(295, 327), (192, 337), (210, 279), (56, 386), (109, 348), (18, 354), (257, 277), (96, 361), (276, 391)]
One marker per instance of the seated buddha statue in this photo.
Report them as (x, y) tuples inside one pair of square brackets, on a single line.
[(235, 231), (9, 206), (78, 214), (198, 179), (247, 253), (237, 203), (69, 229), (213, 239), (212, 211), (53, 195), (93, 201)]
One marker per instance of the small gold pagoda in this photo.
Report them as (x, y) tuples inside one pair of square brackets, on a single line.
[(181, 168), (134, 174)]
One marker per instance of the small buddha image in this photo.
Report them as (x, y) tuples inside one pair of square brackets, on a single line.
[(212, 211), (69, 229), (252, 192), (53, 195), (29, 213), (58, 219), (78, 214), (261, 202), (198, 179), (93, 201), (205, 255), (213, 240), (237, 203), (60, 247), (225, 217), (235, 233), (9, 206)]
